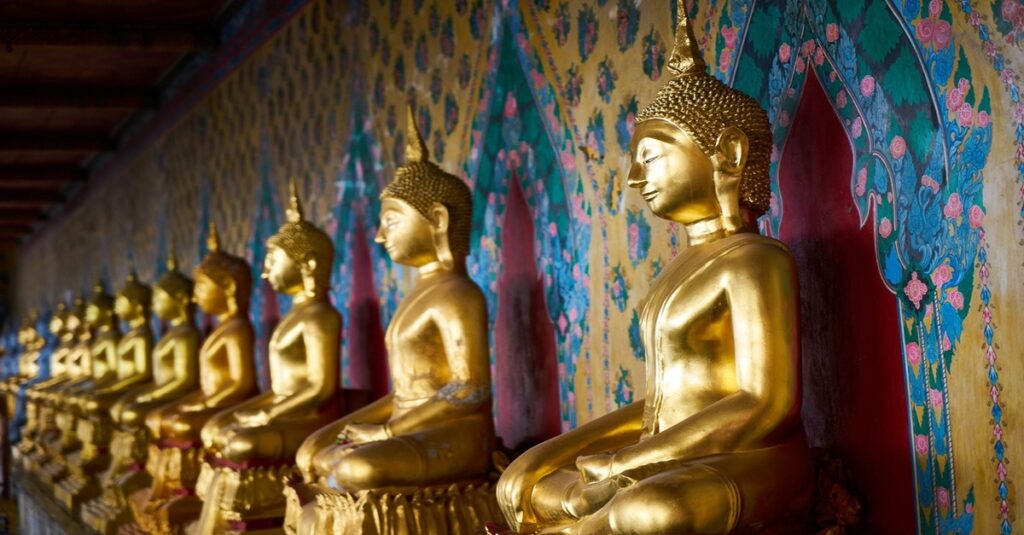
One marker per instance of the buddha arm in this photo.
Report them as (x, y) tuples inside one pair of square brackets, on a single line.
[(320, 338), (141, 354), (462, 323), (762, 297), (237, 347), (185, 373)]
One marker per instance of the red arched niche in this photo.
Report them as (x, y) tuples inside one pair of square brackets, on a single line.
[(368, 360), (524, 337), (854, 400)]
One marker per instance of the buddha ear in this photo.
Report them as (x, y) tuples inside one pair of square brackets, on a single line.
[(731, 151), (439, 221), (308, 268)]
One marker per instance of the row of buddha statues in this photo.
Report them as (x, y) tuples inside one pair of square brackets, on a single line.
[(137, 435)]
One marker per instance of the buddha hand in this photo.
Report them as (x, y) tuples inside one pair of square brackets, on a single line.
[(252, 418), (363, 433), (594, 468)]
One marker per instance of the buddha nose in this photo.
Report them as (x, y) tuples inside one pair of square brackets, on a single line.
[(636, 179)]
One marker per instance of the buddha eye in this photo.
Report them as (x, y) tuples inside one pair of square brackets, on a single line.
[(651, 159)]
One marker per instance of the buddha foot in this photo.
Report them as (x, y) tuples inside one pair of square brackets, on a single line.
[(241, 499), (452, 509)]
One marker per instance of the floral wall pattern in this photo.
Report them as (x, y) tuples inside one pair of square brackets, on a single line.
[(544, 92)]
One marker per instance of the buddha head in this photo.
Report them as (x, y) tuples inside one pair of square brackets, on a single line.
[(222, 281), (425, 213), (59, 320), (99, 309), (133, 301), (172, 294), (77, 324), (32, 340), (701, 149), (299, 256)]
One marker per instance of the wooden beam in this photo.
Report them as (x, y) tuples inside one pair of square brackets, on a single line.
[(84, 35), (40, 173), (20, 215), (29, 197), (56, 141), (15, 228), (101, 98)]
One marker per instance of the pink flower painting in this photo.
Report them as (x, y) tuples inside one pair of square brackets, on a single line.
[(915, 290)]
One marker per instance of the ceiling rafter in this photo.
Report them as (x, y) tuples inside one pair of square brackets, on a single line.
[(77, 35)]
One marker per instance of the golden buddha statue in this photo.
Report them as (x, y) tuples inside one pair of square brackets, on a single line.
[(251, 446), (226, 377), (64, 326), (435, 428), (93, 399), (26, 364), (89, 363), (174, 372), (58, 327), (717, 445)]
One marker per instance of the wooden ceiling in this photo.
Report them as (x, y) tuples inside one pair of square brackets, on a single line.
[(76, 76)]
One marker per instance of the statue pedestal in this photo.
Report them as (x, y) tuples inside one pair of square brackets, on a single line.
[(40, 514), (59, 445), (456, 509), (169, 503), (82, 483), (241, 499), (124, 477)]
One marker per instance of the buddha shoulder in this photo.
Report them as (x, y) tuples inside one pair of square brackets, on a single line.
[(457, 293), (749, 245), (320, 312)]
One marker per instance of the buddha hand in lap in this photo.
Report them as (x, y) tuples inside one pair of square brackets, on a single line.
[(717, 445), (435, 426)]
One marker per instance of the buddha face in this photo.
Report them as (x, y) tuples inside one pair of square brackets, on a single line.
[(281, 271), (125, 308), (672, 173), (165, 306), (210, 297), (405, 233), (95, 315), (56, 324), (73, 322)]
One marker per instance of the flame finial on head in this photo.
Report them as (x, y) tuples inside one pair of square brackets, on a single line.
[(415, 148), (294, 212), (172, 261), (686, 57), (212, 238)]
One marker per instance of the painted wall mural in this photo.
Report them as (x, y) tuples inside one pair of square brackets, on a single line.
[(917, 103)]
